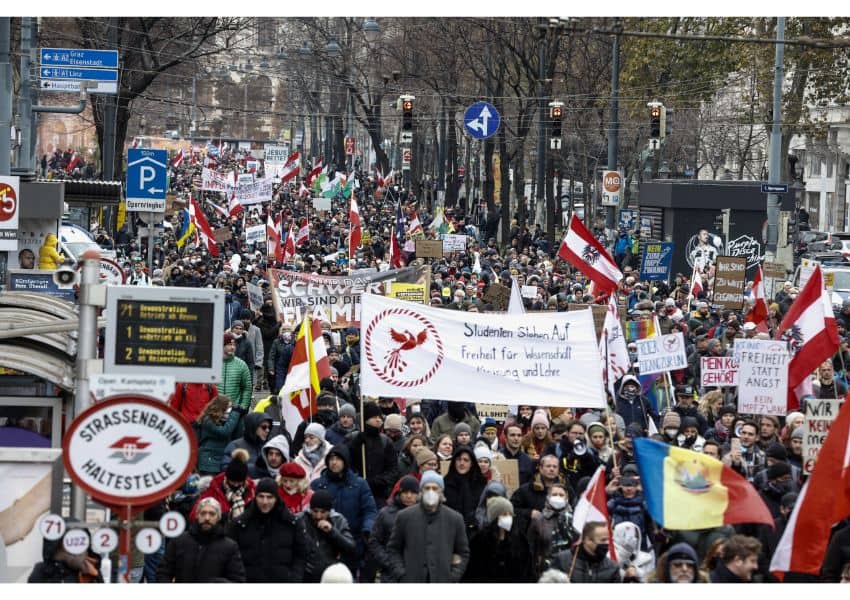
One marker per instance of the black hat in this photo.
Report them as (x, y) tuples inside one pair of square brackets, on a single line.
[(689, 422), (634, 430), (777, 470), (266, 485), (728, 409), (236, 470), (789, 500), (408, 483), (371, 409), (777, 451), (322, 500), (684, 390)]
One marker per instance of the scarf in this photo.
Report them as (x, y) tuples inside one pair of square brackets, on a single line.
[(315, 455), (235, 498), (720, 431)]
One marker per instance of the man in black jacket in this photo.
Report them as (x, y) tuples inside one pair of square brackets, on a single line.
[(381, 456), (326, 535), (592, 565), (202, 554), (738, 560), (271, 545)]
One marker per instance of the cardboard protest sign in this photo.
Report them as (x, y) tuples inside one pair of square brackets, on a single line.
[(223, 234), (662, 353), (498, 295), (429, 248), (729, 282), (255, 296), (819, 415)]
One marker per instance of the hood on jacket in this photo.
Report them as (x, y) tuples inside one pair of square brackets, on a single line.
[(681, 550), (474, 472), (626, 379), (280, 443), (252, 421), (50, 239), (340, 450), (492, 489)]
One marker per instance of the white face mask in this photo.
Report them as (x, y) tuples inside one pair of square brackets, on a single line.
[(557, 502), (505, 522), (671, 433), (430, 498)]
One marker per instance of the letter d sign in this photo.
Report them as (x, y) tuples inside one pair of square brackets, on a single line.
[(172, 524)]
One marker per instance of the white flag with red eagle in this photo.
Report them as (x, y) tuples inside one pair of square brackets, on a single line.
[(584, 252)]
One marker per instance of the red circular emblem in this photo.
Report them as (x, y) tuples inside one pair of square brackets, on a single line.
[(404, 350)]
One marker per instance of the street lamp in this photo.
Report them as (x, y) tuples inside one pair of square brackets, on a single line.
[(371, 29), (332, 48), (305, 50)]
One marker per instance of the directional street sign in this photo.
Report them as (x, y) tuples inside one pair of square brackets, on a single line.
[(146, 179), (774, 188), (481, 120), (79, 57), (73, 86), (81, 74)]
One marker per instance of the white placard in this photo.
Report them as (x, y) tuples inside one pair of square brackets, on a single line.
[(76, 541), (148, 540), (819, 415), (320, 203), (528, 291), (662, 353), (51, 526), (246, 178), (762, 376), (172, 524), (160, 386), (718, 371), (255, 234), (254, 192), (422, 352), (255, 296), (276, 155), (454, 242), (104, 540)]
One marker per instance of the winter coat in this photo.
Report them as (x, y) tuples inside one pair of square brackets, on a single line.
[(196, 557), (260, 468), (549, 534), (335, 434), (236, 381), (837, 555), (321, 549), (463, 492), (256, 338), (587, 569), (381, 462), (249, 441), (245, 351), (492, 560), (51, 570), (278, 359), (190, 399), (531, 497), (377, 544), (422, 544), (216, 490), (269, 328), (351, 494), (271, 546), (48, 257), (722, 574), (313, 472), (270, 406), (525, 465), (213, 439)]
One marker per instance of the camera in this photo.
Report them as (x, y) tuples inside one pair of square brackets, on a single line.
[(65, 277)]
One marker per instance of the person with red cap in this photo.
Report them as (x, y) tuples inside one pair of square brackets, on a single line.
[(294, 487)]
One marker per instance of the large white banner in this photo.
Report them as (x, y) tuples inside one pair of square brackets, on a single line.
[(254, 192), (762, 376), (550, 359)]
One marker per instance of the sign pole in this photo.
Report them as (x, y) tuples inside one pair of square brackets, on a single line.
[(86, 352), (151, 230), (124, 548)]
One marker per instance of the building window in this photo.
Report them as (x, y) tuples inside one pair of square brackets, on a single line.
[(814, 168), (266, 33)]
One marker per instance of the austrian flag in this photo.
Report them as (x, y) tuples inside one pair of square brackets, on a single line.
[(584, 252)]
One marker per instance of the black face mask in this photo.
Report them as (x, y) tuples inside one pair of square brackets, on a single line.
[(629, 393), (601, 551), (781, 487), (371, 430)]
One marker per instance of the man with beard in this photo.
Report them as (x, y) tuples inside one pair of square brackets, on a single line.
[(679, 565), (202, 554), (592, 565), (325, 416), (512, 448), (271, 546)]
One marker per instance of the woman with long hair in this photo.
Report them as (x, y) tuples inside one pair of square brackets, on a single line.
[(216, 425), (444, 448), (710, 404), (407, 456)]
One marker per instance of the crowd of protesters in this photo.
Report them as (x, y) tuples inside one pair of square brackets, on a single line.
[(398, 490)]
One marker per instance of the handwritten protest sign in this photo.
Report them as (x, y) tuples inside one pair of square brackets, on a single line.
[(729, 282), (718, 371), (819, 415), (762, 376), (662, 353)]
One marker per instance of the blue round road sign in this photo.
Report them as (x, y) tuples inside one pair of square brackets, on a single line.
[(481, 120)]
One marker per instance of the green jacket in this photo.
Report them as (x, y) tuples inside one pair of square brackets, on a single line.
[(213, 439), (236, 381)]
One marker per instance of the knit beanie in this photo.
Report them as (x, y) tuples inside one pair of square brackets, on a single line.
[(482, 451), (777, 451), (322, 500), (316, 429), (462, 428), (671, 420), (347, 410), (489, 423), (594, 427), (371, 409), (539, 418), (393, 421), (408, 483), (497, 506), (728, 409), (423, 455), (793, 415), (777, 470), (212, 502), (237, 470), (432, 477), (797, 433), (266, 485)]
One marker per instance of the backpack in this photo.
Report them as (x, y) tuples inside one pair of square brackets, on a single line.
[(196, 427)]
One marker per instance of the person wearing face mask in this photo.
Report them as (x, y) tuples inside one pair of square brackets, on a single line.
[(778, 484), (690, 437), (552, 531), (408, 494), (428, 543), (592, 564), (456, 412), (499, 552), (670, 425), (632, 405), (294, 487)]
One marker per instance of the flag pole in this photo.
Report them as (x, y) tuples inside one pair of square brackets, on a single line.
[(607, 409)]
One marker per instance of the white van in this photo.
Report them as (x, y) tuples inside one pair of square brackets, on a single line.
[(74, 240)]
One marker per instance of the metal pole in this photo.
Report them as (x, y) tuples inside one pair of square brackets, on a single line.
[(86, 352), (613, 133), (110, 113), (775, 165), (25, 102), (541, 131), (152, 217), (5, 97)]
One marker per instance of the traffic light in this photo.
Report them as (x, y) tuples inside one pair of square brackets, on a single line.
[(667, 122), (556, 114), (407, 114), (655, 129)]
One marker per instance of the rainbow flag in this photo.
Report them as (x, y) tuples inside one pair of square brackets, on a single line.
[(638, 330), (688, 490)]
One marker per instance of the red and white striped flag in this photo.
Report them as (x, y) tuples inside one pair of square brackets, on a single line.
[(303, 191), (234, 206), (203, 228), (178, 159), (76, 161), (289, 245), (584, 252), (758, 313), (291, 168), (823, 501), (219, 209), (303, 232), (388, 180), (309, 365), (696, 284), (273, 235), (414, 225), (592, 506), (395, 251), (810, 330), (355, 229), (315, 171)]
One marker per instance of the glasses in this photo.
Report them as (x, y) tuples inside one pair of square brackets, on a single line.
[(265, 427), (681, 564)]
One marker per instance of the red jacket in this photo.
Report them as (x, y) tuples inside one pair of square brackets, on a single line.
[(296, 503), (216, 490), (190, 399)]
